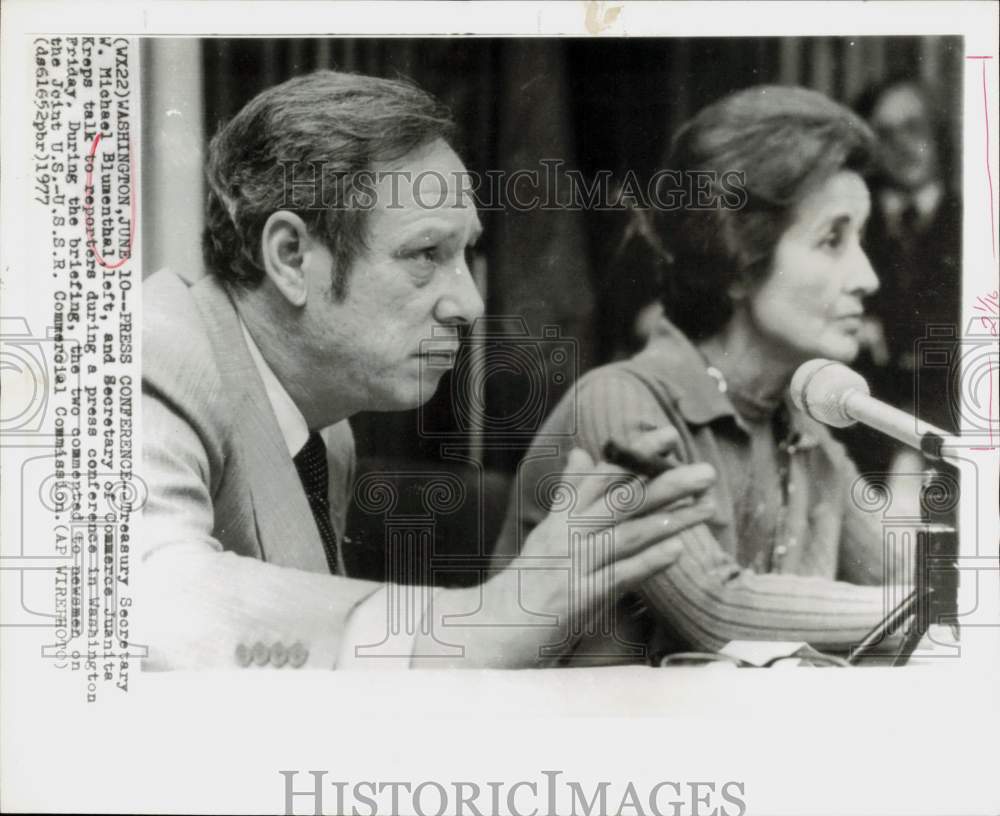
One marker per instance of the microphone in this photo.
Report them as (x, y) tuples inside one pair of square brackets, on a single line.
[(833, 394)]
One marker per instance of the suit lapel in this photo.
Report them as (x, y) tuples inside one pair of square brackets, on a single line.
[(288, 534)]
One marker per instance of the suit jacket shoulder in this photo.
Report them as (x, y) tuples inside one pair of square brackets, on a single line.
[(178, 362), (232, 558)]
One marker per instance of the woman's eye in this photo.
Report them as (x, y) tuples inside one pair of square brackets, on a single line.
[(832, 240)]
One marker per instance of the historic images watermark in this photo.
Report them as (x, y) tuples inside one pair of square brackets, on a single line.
[(551, 186), (549, 794), (965, 366), (544, 364), (412, 565), (917, 502)]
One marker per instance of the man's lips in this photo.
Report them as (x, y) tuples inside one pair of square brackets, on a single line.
[(444, 356), (426, 351)]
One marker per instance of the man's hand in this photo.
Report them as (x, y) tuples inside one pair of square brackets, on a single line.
[(608, 530), (635, 537)]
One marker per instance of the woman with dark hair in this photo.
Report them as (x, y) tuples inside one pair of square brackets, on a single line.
[(764, 270)]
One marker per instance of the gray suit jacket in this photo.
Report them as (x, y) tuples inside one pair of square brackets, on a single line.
[(231, 556)]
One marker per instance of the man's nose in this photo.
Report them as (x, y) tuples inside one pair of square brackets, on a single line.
[(460, 302), (862, 279)]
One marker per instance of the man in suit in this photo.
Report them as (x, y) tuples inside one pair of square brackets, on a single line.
[(914, 242), (336, 230)]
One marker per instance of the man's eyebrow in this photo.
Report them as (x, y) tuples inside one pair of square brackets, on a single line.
[(435, 231), (441, 232)]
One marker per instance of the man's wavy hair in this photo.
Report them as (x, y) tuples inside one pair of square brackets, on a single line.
[(784, 141), (336, 125)]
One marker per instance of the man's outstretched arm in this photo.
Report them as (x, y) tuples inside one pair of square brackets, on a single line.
[(203, 607)]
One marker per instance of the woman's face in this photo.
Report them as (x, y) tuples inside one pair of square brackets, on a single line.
[(810, 304)]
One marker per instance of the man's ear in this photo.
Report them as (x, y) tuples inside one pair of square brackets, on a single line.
[(284, 242)]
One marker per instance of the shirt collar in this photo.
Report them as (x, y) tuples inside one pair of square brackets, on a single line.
[(292, 424), (925, 201), (700, 400)]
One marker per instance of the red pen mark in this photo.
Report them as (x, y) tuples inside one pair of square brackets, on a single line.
[(989, 304), (89, 211), (993, 244), (989, 173)]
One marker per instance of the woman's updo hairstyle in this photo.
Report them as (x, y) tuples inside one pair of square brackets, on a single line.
[(740, 166)]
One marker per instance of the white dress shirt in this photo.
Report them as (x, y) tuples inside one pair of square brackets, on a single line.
[(925, 203), (291, 423)]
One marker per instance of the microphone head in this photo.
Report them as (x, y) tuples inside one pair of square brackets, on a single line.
[(819, 388)]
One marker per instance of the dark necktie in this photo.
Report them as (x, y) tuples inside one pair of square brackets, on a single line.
[(311, 464), (909, 219), (909, 248)]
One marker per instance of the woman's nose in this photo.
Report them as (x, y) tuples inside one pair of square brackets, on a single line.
[(862, 279)]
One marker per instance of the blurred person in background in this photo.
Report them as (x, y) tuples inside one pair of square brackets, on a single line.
[(753, 286), (914, 242)]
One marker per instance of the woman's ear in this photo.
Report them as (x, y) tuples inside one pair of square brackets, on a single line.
[(283, 243), (738, 290)]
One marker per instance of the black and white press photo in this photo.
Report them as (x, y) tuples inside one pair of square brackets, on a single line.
[(499, 408), (521, 364)]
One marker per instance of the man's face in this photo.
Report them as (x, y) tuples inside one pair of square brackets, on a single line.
[(907, 150), (412, 284)]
